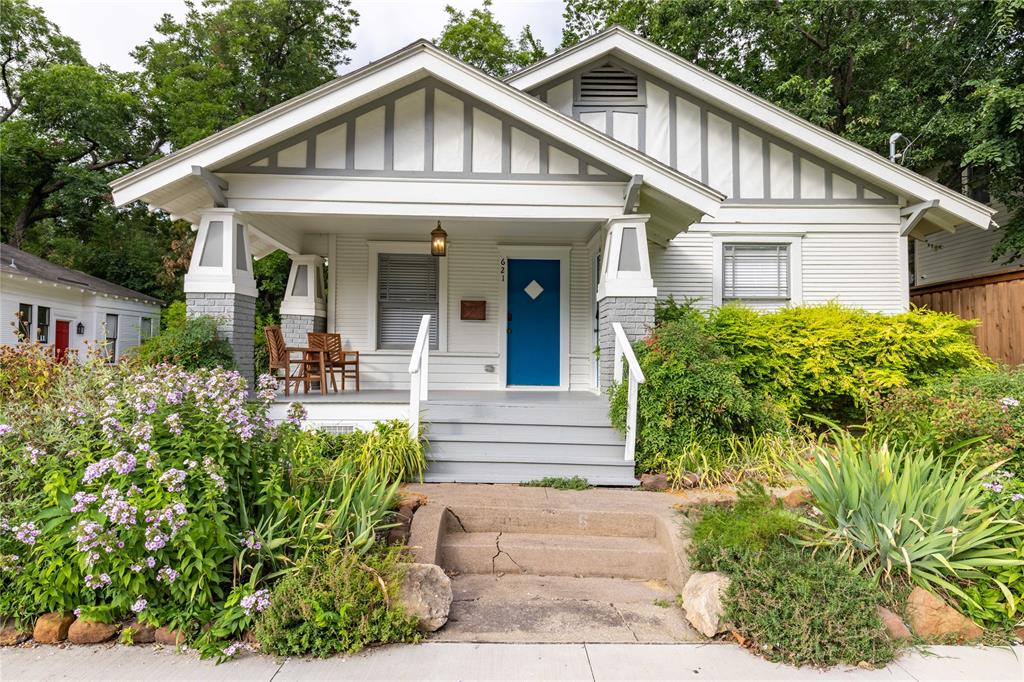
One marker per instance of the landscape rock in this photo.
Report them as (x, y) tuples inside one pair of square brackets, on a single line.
[(797, 497), (399, 535), (703, 602), (169, 637), (52, 628), (689, 480), (894, 625), (932, 618), (1019, 632), (10, 634), (142, 633), (654, 481), (90, 632), (426, 593)]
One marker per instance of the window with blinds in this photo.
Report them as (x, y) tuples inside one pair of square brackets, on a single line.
[(407, 289), (755, 272)]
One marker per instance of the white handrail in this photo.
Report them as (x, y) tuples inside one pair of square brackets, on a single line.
[(636, 377), (418, 375)]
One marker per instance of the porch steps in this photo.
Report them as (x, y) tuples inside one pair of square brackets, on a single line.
[(515, 440)]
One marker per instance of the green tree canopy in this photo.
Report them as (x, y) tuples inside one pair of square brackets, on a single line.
[(479, 39), (228, 60)]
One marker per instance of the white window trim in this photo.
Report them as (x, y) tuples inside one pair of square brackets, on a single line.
[(562, 255), (796, 292), (377, 248)]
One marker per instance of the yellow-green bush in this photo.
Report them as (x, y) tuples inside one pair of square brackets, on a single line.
[(831, 360)]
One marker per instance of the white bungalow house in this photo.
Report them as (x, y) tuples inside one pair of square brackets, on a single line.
[(573, 195), (69, 310)]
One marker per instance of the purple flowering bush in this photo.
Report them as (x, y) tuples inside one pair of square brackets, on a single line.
[(167, 495)]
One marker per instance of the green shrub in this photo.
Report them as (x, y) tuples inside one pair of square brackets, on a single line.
[(725, 538), (560, 483), (194, 344), (692, 393), (173, 316), (805, 609), (949, 411), (336, 603), (902, 511), (831, 361)]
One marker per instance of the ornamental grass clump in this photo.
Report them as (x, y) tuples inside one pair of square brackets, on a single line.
[(901, 512)]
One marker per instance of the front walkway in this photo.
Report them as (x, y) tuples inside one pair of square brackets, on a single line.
[(593, 662)]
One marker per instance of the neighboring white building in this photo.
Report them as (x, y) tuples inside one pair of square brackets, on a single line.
[(70, 310), (573, 195)]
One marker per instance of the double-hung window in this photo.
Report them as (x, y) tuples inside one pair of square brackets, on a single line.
[(407, 289), (111, 332), (24, 321), (42, 324), (756, 272), (145, 328)]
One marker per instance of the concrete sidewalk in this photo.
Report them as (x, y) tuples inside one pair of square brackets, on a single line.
[(448, 661)]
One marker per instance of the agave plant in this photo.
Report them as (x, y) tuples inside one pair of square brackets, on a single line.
[(899, 508)]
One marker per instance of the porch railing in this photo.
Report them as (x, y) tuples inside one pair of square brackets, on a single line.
[(623, 348), (419, 375)]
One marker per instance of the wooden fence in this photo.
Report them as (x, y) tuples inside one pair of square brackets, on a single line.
[(996, 300)]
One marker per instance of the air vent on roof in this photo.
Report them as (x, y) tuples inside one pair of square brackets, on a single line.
[(68, 280), (609, 83)]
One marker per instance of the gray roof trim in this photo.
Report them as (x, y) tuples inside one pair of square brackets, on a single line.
[(15, 262)]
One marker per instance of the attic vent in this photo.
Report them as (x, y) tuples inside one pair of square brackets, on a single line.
[(609, 83)]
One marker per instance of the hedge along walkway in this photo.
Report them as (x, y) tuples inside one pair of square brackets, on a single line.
[(594, 662)]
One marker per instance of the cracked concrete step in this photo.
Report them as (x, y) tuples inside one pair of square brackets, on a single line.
[(481, 519), (554, 554)]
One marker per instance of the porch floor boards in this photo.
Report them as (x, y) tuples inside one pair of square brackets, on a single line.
[(504, 397)]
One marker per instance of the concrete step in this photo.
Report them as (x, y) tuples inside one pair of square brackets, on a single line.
[(596, 556), (481, 519), (599, 472), (524, 433)]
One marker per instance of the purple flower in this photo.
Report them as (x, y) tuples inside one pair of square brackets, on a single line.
[(173, 480), (26, 533), (97, 582), (150, 561), (296, 414), (5, 429), (1009, 402), (82, 500), (1017, 497), (258, 601), (173, 422), (34, 453), (78, 612), (250, 541), (167, 574), (231, 649), (140, 605)]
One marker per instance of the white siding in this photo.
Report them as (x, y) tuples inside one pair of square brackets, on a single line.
[(560, 97), (410, 141), (76, 307), (473, 346), (850, 255), (369, 151), (942, 256)]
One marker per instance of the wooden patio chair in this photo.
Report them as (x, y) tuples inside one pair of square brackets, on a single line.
[(309, 367), (336, 358)]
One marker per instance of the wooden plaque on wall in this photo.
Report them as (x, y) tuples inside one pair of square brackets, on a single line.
[(474, 310)]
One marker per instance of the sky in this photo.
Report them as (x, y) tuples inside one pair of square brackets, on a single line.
[(108, 29)]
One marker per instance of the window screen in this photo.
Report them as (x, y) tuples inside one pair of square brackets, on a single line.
[(755, 271), (407, 289), (145, 328)]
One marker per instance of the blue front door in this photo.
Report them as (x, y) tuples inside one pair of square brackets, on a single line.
[(533, 322)]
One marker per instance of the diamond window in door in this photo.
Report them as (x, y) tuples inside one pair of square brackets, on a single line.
[(533, 290)]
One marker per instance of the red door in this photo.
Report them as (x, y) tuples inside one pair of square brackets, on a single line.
[(60, 341)]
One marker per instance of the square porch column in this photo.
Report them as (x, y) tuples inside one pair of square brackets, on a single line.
[(219, 282), (304, 307), (625, 291)]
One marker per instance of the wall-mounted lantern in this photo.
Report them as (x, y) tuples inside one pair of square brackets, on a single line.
[(80, 329), (438, 241)]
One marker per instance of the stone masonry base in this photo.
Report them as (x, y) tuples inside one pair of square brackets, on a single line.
[(634, 313), (295, 327), (236, 320)]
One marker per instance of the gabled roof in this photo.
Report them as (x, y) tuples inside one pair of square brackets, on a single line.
[(400, 68), (952, 208), (17, 263)]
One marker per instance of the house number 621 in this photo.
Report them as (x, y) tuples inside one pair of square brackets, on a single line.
[(501, 269)]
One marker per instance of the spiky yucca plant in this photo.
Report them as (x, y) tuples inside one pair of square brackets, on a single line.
[(898, 508)]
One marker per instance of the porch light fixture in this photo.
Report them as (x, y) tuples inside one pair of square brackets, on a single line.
[(80, 329), (438, 241)]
